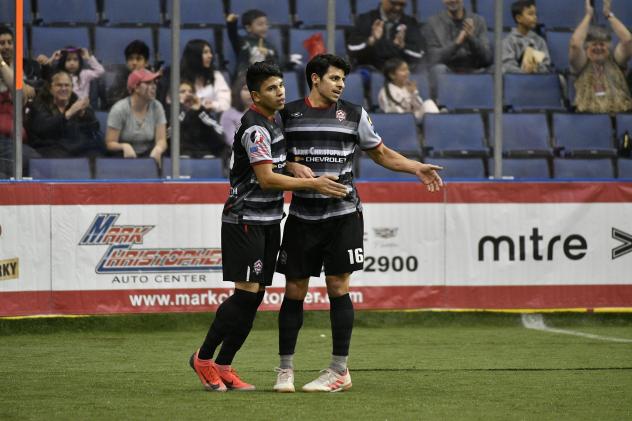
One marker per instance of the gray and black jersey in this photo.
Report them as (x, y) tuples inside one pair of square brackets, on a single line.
[(325, 140), (258, 140)]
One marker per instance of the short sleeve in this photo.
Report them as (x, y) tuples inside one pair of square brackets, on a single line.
[(116, 116), (369, 139), (256, 141)]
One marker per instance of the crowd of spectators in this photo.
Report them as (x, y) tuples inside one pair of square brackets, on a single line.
[(62, 90)]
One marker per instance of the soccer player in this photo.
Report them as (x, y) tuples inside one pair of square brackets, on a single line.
[(251, 225), (322, 133)]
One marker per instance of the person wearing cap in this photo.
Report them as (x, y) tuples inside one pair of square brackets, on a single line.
[(137, 123), (600, 83)]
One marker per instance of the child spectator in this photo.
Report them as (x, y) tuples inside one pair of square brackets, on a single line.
[(201, 136), (524, 51), (254, 46), (80, 65), (137, 126), (136, 58), (241, 100), (600, 85), (400, 94), (62, 125)]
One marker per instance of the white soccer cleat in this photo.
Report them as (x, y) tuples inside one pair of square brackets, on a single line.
[(329, 381), (285, 380)]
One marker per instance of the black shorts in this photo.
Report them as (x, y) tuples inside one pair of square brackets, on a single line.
[(338, 244), (249, 252)]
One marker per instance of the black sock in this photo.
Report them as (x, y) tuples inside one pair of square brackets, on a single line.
[(290, 322), (245, 309), (341, 316)]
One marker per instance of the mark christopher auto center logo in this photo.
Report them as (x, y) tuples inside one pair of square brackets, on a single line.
[(122, 257)]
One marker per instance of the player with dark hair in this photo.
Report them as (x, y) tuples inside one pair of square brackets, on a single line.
[(251, 225), (322, 133)]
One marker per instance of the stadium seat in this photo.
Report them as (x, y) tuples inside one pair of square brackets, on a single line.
[(560, 13), (57, 11), (625, 168), (624, 124), (199, 12), (363, 6), (110, 43), (7, 12), (466, 91), (459, 168), (278, 11), (454, 135), (314, 13), (186, 35), (292, 86), (195, 168), (558, 43), (60, 168), (583, 134), (522, 168), (102, 117), (48, 40), (136, 12), (524, 135), (533, 92), (354, 89), (297, 36), (377, 81), (583, 168), (486, 9), (399, 132), (123, 169), (370, 170)]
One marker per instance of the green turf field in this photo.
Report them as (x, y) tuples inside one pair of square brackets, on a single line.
[(404, 366)]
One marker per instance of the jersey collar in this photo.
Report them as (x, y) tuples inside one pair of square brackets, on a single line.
[(254, 108), (309, 104)]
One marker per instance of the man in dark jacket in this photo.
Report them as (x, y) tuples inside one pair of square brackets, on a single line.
[(384, 33)]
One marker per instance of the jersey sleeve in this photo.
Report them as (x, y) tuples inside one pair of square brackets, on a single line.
[(369, 139), (256, 141)]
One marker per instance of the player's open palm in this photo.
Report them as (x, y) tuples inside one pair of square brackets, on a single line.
[(428, 175), (326, 184)]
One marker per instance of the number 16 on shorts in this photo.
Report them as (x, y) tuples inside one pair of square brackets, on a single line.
[(356, 255)]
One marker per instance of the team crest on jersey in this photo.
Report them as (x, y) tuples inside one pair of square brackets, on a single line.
[(258, 267), (258, 137), (341, 115)]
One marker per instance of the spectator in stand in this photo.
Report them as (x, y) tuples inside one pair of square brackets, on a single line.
[(241, 100), (201, 136), (137, 126), (399, 94), (80, 64), (384, 33), (600, 83), (254, 46), (60, 125), (457, 42), (136, 58), (524, 51), (6, 106), (196, 66)]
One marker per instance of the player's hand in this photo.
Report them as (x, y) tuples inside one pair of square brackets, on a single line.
[(299, 170), (427, 174), (128, 151), (326, 184)]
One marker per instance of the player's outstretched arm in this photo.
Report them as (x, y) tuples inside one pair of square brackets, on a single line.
[(326, 184), (426, 173)]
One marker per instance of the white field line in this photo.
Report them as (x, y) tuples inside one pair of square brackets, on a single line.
[(536, 322)]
